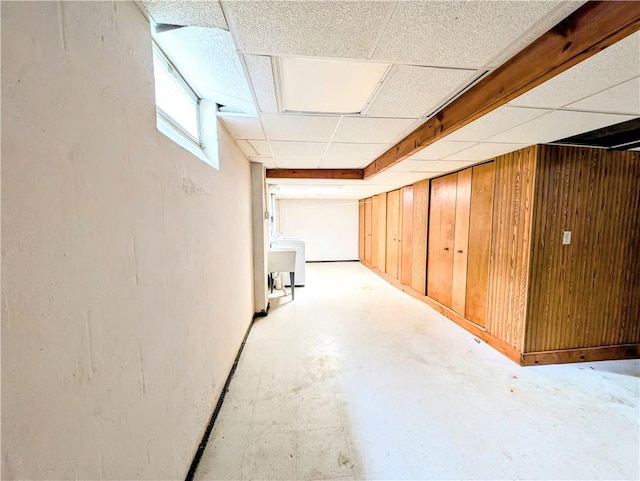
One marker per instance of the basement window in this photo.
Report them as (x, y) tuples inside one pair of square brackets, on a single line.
[(177, 105)]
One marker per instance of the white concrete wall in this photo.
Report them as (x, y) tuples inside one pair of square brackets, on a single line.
[(329, 227), (126, 261)]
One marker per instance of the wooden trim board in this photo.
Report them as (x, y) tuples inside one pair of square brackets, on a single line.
[(589, 354), (343, 174)]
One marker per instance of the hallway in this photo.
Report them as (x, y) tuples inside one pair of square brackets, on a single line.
[(356, 380)]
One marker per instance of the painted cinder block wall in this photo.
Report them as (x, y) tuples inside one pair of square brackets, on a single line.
[(126, 261)]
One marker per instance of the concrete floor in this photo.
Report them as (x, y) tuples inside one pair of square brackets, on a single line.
[(356, 380)]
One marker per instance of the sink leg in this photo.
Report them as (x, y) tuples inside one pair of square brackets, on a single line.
[(293, 284)]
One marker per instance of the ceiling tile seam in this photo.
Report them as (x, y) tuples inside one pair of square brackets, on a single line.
[(533, 28), (333, 135), (228, 18), (376, 91), (599, 92), (382, 29), (582, 111)]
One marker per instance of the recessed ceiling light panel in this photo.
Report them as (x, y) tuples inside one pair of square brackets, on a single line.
[(328, 86)]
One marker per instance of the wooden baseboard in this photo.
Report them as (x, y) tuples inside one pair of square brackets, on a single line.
[(478, 331), (588, 354)]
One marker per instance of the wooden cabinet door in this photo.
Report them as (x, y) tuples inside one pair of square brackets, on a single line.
[(367, 231), (361, 233), (379, 231), (393, 233), (375, 222), (441, 236), (461, 241), (479, 242), (419, 236), (406, 236)]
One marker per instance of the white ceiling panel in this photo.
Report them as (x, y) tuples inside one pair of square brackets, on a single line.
[(343, 152), (557, 125), (261, 75), (371, 130), (501, 119), (457, 33), (306, 128), (440, 150), (485, 151), (193, 13), (243, 127), (341, 29), (410, 91), (261, 147), (434, 166), (398, 179), (612, 66), (298, 150), (621, 99), (247, 148), (207, 59), (297, 163), (546, 23)]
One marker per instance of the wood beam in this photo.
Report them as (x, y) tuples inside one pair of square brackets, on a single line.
[(590, 29), (342, 174)]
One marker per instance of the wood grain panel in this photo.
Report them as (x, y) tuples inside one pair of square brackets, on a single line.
[(393, 234), (381, 235), (419, 236), (375, 230), (367, 230), (406, 246), (479, 242), (361, 233), (510, 245), (441, 237), (588, 30), (461, 241), (585, 294)]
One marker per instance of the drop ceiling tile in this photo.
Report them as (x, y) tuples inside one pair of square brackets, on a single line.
[(410, 91), (299, 127), (557, 125), (261, 147), (344, 152), (243, 127), (621, 99), (501, 119), (434, 166), (561, 11), (485, 151), (297, 163), (398, 179), (342, 29), (298, 150), (194, 14), (440, 150), (261, 75), (208, 60), (247, 148), (371, 130), (612, 66), (457, 33)]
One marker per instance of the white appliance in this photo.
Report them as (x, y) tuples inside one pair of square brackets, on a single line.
[(296, 243)]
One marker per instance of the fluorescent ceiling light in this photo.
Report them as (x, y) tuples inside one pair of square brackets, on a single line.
[(328, 86)]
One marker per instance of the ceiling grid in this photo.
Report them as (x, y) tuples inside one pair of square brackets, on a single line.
[(435, 50)]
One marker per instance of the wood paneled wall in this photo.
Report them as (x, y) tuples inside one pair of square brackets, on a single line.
[(392, 263), (419, 236), (406, 248), (587, 293), (515, 175)]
